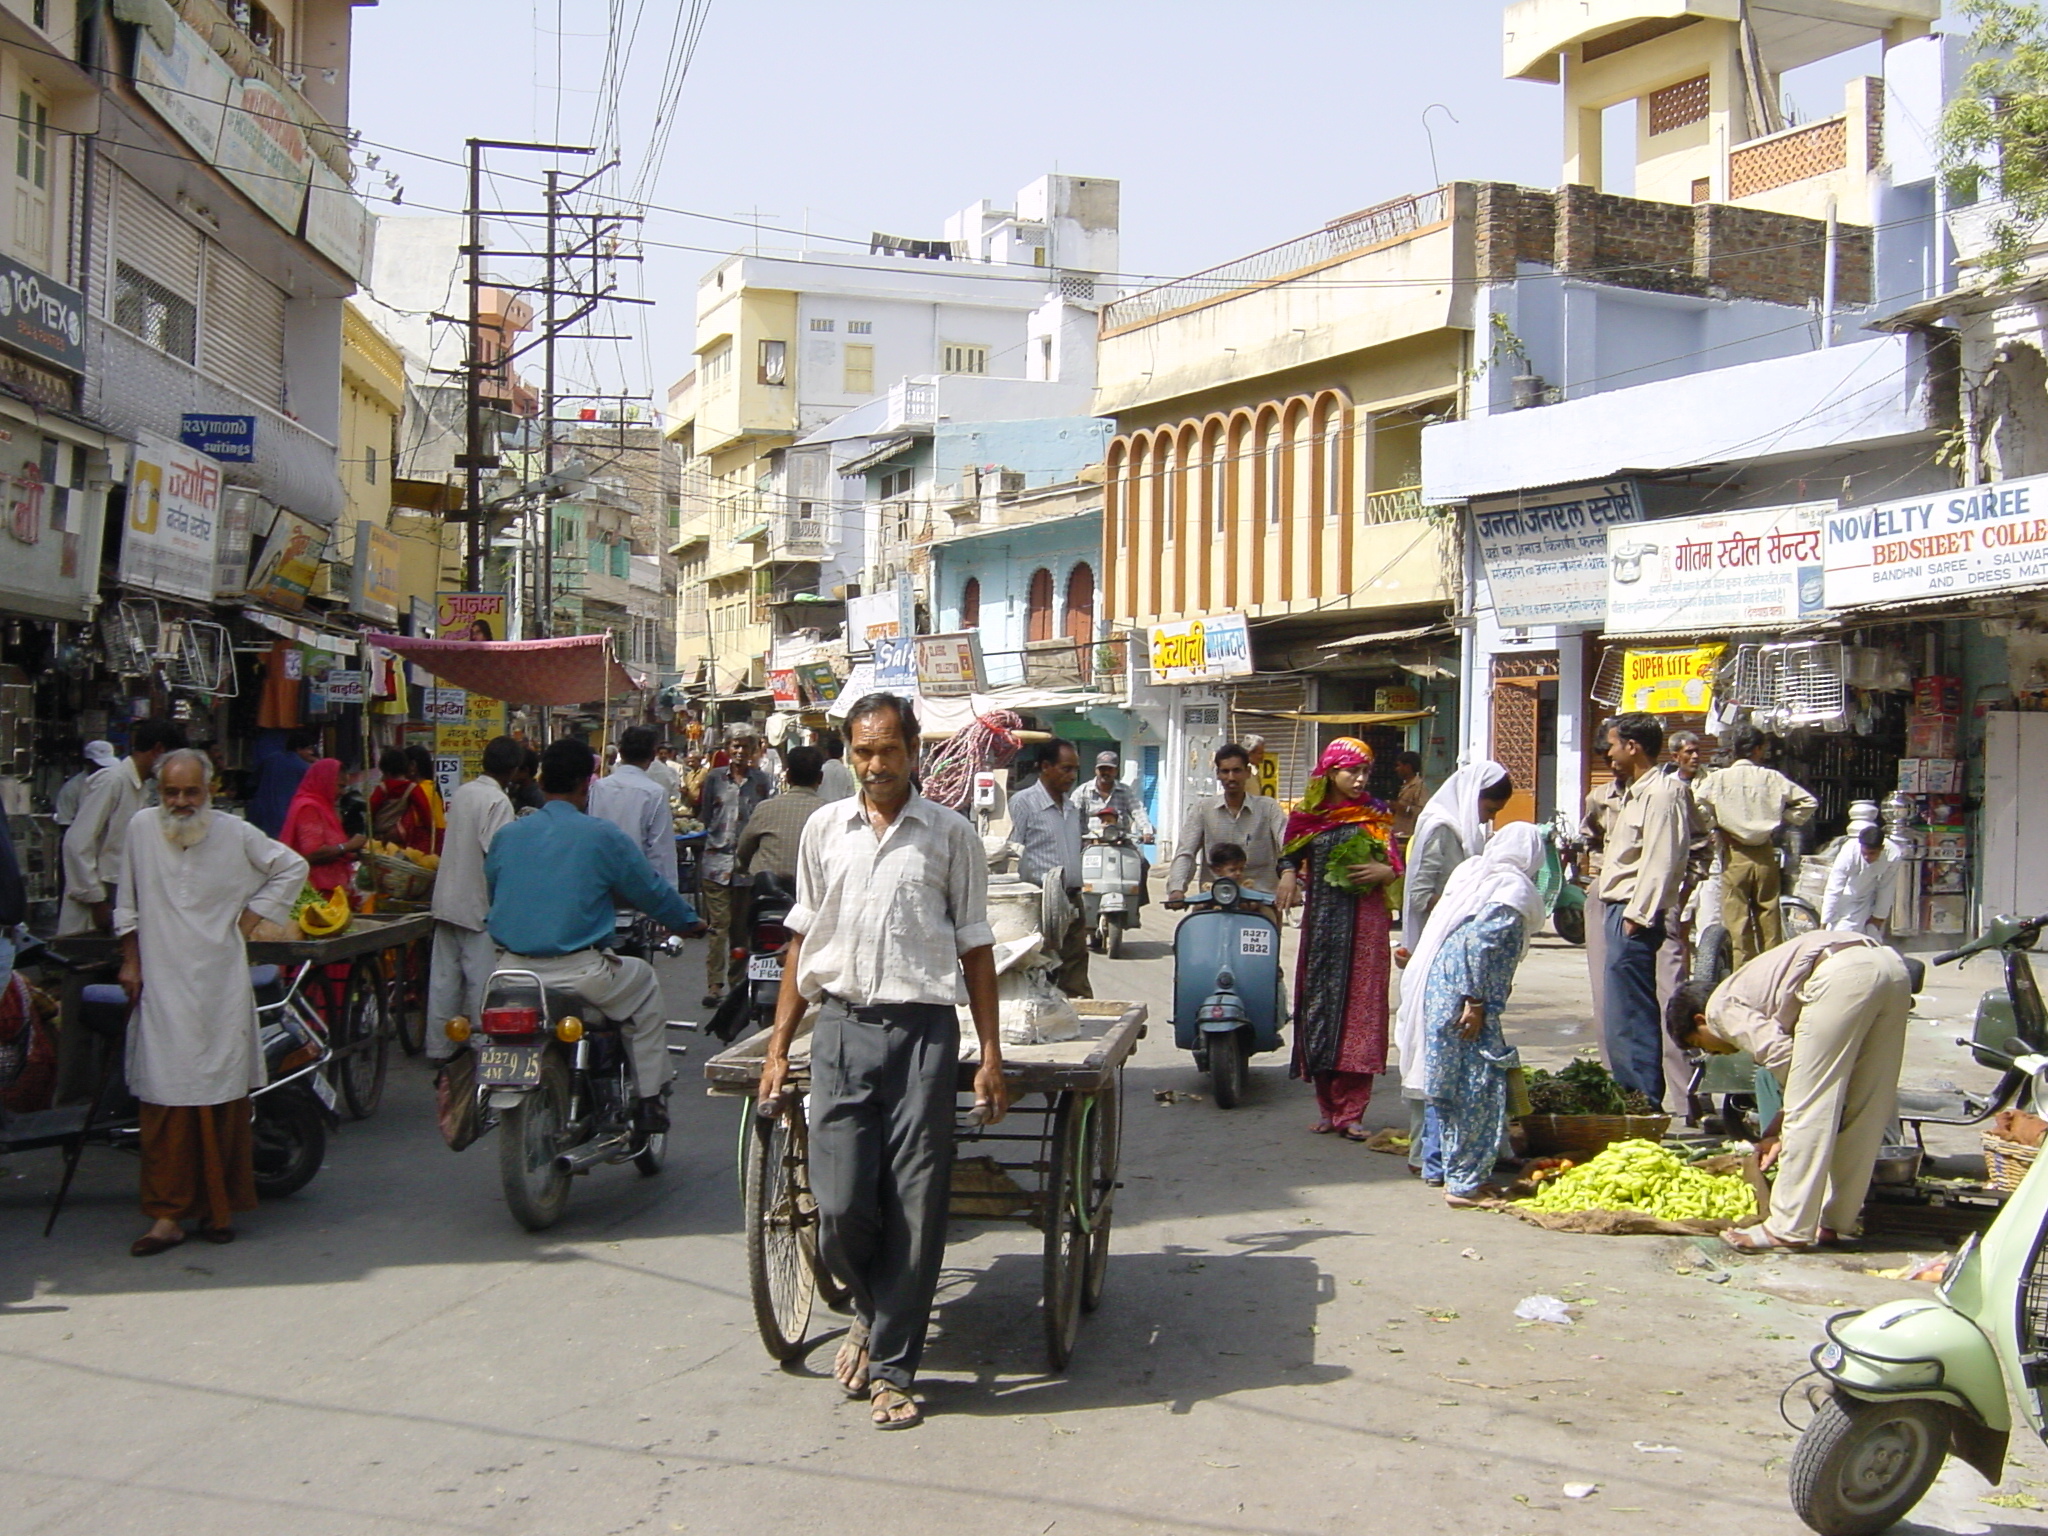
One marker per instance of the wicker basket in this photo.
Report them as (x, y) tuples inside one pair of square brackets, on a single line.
[(2006, 1162), (1553, 1134), (400, 879)]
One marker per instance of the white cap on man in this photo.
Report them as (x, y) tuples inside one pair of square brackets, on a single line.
[(101, 754)]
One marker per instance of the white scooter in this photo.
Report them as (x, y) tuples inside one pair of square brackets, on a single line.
[(1112, 882)]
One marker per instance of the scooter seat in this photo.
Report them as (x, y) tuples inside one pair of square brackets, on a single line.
[(103, 1009), (261, 976), (1952, 1105)]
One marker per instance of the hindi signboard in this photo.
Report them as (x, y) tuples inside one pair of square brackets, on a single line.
[(469, 616), (444, 706), (173, 520), (1728, 571), (1545, 552), (1981, 538), (1201, 650)]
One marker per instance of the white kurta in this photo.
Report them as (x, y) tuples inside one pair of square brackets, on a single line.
[(193, 1037), (92, 843), (1859, 892)]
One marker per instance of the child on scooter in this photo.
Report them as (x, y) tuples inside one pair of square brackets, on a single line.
[(1226, 862)]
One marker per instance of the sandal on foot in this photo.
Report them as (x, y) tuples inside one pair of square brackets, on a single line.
[(894, 1408), (149, 1245), (850, 1364), (1355, 1132), (1321, 1128), (1476, 1200), (1757, 1240), (215, 1234)]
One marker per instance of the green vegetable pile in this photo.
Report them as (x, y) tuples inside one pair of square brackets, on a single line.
[(1642, 1176), (1584, 1088)]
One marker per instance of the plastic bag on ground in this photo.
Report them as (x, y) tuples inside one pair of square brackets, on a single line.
[(1543, 1309)]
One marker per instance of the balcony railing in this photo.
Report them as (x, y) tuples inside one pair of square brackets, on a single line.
[(1797, 154), (797, 538), (1401, 505), (913, 403), (1373, 226)]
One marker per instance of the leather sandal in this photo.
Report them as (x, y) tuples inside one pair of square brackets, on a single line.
[(215, 1234), (149, 1245), (890, 1404), (1757, 1240)]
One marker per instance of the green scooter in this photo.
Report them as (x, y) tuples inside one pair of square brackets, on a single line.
[(1908, 1383)]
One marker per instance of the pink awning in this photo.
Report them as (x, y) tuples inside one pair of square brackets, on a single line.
[(577, 669)]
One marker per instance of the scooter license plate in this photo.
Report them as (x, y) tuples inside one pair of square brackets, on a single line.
[(508, 1066), (764, 968), (1113, 901)]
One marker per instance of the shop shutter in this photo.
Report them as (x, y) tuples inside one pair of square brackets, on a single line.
[(241, 332), (1291, 744), (155, 241)]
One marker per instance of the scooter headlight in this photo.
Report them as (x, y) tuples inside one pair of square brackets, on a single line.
[(1829, 1357)]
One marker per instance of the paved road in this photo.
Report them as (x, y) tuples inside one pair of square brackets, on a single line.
[(1296, 1338)]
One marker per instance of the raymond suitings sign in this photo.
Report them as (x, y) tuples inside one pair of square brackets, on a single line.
[(1201, 650), (1726, 572), (1982, 538), (1546, 552)]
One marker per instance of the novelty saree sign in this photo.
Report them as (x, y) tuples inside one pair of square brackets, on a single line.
[(1981, 538)]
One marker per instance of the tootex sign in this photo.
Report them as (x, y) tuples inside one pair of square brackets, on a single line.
[(231, 439), (41, 317), (1199, 650), (1982, 538)]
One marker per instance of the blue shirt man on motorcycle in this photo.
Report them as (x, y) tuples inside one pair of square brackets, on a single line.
[(556, 880)]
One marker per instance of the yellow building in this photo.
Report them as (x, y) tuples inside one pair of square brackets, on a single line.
[(420, 548)]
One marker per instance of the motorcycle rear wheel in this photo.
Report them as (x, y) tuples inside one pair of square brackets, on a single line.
[(1861, 1467), (289, 1142), (535, 1190), (1229, 1071)]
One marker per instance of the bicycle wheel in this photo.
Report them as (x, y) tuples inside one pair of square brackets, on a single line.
[(406, 996), (362, 1040), (781, 1231)]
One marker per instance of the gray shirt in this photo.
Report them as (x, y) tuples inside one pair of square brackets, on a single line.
[(837, 783), (1258, 827), (1049, 834), (1122, 799), (723, 805)]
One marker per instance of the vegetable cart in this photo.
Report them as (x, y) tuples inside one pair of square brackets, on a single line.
[(1051, 1163), (364, 966)]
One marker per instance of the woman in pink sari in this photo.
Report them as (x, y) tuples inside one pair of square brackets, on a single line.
[(312, 828), (1341, 842)]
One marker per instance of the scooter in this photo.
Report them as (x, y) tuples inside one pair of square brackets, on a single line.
[(1112, 883), (1565, 859), (1905, 1384), (751, 1006), (1226, 985)]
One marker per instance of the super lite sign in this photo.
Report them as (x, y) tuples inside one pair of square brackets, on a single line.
[(1982, 538)]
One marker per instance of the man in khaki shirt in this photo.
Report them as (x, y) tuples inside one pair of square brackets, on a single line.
[(1826, 1015), (1748, 804), (1641, 870)]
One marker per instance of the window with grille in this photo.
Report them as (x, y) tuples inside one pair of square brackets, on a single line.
[(1677, 106), (718, 368), (860, 327), (824, 325), (370, 465), (146, 308), (957, 357), (860, 368)]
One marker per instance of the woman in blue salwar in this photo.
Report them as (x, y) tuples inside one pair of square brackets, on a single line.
[(1468, 956)]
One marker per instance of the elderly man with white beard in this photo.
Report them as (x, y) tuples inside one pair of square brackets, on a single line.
[(194, 882)]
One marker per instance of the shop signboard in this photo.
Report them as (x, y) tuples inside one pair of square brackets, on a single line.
[(1728, 571), (444, 706), (290, 563), (1670, 682), (373, 587), (1981, 538), (40, 316), (465, 745), (347, 687), (49, 556), (173, 521), (338, 226), (1545, 552), (470, 616), (950, 664), (264, 151), (875, 616), (231, 439), (178, 73), (1201, 650), (782, 686), (820, 682), (895, 665)]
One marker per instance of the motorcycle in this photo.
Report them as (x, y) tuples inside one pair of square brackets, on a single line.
[(1226, 985), (1908, 1383), (556, 1078), (751, 1006), (1112, 883)]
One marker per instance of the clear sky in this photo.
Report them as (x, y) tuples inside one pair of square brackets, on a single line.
[(1230, 126)]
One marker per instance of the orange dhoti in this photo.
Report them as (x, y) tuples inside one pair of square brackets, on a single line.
[(198, 1160)]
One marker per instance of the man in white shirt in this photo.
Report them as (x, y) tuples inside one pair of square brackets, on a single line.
[(71, 794), (891, 934), (837, 780), (663, 769), (1045, 823), (464, 955), (93, 843), (630, 799), (1862, 884)]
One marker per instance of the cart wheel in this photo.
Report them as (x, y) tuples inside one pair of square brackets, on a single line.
[(1101, 1158), (782, 1230), (1066, 1242), (362, 1040), (406, 996)]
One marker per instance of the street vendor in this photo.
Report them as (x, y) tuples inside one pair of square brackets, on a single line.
[(1825, 1014)]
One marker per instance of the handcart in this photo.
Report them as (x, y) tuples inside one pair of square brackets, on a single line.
[(1052, 1163)]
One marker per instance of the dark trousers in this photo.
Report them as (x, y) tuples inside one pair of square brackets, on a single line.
[(882, 1090), (1635, 1051), (1072, 975)]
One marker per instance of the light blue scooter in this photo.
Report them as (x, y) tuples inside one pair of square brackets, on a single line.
[(1226, 985), (1912, 1382)]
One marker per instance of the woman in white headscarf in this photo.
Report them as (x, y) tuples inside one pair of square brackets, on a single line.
[(1452, 828), (1458, 984)]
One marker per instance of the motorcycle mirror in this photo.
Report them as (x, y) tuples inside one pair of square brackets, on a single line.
[(1916, 974)]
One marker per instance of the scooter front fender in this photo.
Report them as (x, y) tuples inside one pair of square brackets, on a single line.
[(1917, 1347), (1224, 1026)]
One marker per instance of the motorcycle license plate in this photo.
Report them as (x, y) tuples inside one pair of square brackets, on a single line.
[(508, 1066), (323, 1088), (764, 968)]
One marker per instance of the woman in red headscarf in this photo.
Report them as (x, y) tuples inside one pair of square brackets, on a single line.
[(312, 828), (1341, 843)]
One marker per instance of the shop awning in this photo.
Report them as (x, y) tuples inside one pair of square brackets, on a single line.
[(1392, 717), (574, 670), (1387, 637)]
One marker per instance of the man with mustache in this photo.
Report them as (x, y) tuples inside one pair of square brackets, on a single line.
[(194, 882)]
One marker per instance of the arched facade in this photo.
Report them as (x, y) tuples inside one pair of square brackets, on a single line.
[(1038, 606), (970, 604)]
